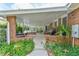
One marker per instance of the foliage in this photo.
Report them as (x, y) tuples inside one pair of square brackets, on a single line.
[(26, 27), (20, 28), (2, 36), (3, 26), (64, 29), (19, 48), (40, 30), (60, 50)]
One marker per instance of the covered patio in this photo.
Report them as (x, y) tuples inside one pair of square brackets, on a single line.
[(34, 18), (47, 19)]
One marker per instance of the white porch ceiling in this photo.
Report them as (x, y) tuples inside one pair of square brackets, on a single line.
[(45, 18), (40, 19)]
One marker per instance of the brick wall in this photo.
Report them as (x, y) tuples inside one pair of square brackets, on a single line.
[(73, 18)]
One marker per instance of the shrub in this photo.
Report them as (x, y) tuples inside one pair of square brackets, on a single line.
[(20, 28), (19, 48), (64, 30), (61, 50), (2, 33)]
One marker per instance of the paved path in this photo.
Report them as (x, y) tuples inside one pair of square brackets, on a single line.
[(39, 49)]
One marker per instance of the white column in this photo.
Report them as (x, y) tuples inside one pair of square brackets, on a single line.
[(8, 33)]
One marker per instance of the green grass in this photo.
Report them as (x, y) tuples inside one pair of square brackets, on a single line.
[(61, 50), (19, 48)]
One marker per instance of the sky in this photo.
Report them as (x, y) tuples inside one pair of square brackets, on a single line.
[(12, 6), (6, 6)]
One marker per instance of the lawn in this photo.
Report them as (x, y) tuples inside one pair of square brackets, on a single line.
[(19, 48), (61, 50)]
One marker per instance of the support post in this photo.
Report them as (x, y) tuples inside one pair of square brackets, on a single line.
[(12, 26), (73, 42), (8, 33)]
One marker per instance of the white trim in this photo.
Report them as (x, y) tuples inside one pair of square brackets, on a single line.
[(69, 4), (33, 11)]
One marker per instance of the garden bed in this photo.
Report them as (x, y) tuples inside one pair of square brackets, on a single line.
[(19, 48), (62, 50)]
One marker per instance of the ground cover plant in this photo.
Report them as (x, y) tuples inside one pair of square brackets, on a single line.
[(61, 50), (19, 48)]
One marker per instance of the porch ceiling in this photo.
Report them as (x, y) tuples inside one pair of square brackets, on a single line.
[(40, 19), (44, 18)]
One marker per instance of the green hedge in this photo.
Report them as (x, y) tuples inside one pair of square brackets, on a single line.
[(19, 48)]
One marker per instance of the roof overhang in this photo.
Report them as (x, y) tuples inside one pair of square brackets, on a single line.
[(25, 11)]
